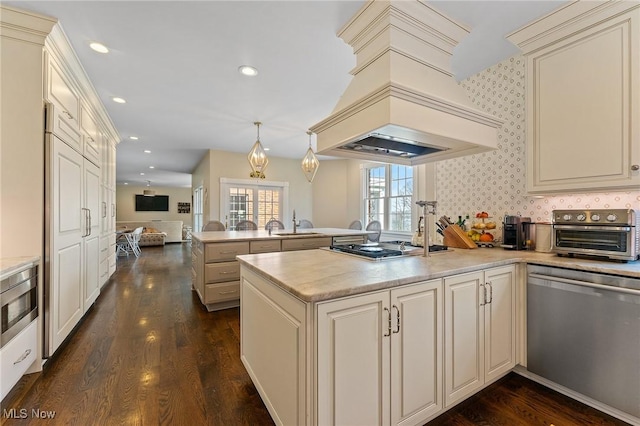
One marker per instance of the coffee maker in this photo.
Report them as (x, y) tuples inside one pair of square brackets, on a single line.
[(517, 233)]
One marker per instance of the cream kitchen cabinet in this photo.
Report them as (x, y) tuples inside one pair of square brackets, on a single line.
[(480, 330), (91, 142), (583, 98), (219, 287), (74, 240), (379, 359), (64, 112)]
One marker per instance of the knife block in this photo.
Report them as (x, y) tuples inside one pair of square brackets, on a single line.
[(454, 236)]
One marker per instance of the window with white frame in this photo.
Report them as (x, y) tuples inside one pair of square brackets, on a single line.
[(259, 201), (388, 196)]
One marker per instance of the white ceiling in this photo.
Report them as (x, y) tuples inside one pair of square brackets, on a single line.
[(175, 63)]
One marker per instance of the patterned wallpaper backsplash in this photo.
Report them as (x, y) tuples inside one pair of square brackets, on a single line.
[(495, 181)]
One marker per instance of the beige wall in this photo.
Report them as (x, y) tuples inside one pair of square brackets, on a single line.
[(336, 193), (21, 136), (224, 164), (126, 207)]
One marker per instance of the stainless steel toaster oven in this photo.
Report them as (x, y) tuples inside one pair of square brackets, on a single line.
[(607, 233)]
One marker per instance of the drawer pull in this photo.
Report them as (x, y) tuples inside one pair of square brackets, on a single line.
[(228, 292), (23, 356), (229, 252), (68, 114), (227, 272)]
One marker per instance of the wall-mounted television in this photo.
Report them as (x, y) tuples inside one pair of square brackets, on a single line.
[(157, 203)]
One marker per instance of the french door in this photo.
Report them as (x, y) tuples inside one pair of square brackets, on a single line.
[(258, 201)]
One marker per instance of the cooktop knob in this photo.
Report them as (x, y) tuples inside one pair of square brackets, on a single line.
[(595, 217), (566, 217), (581, 217), (612, 217)]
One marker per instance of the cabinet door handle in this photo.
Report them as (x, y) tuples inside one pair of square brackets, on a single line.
[(229, 252), (635, 167), (388, 323), (104, 209), (397, 330), (228, 292), (68, 114), (484, 295), (490, 292), (23, 357), (90, 224)]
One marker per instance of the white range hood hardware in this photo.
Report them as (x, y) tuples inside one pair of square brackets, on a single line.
[(403, 104)]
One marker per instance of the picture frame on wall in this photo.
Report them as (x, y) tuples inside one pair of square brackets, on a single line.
[(184, 207)]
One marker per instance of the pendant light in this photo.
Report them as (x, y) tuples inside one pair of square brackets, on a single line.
[(149, 192), (258, 157), (310, 162)]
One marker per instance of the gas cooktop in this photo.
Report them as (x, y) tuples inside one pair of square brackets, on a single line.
[(383, 250)]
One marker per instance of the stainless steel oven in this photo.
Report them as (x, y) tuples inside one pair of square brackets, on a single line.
[(18, 303), (610, 233)]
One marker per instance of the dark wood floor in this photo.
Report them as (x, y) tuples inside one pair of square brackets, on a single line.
[(149, 353)]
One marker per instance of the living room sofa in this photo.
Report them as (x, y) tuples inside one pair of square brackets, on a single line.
[(171, 230)]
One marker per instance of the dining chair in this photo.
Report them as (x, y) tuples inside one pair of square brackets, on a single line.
[(273, 224), (304, 223), (213, 225), (134, 240), (374, 225), (246, 225), (356, 224)]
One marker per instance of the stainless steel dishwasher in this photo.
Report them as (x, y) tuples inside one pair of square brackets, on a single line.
[(583, 332)]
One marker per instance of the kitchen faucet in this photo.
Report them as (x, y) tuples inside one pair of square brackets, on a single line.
[(429, 207), (295, 225)]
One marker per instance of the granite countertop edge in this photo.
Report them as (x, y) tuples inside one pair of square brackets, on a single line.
[(326, 278)]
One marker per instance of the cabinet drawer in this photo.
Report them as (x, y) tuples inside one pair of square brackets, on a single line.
[(265, 246), (17, 356), (305, 243), (220, 272), (220, 252), (220, 292)]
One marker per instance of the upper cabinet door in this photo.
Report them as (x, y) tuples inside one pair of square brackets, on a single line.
[(583, 98), (64, 116), (90, 142)]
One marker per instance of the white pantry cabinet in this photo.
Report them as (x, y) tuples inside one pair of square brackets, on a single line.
[(583, 98), (74, 239), (379, 359), (480, 330)]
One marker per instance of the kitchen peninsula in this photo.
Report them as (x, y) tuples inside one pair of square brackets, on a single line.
[(329, 338), (216, 272)]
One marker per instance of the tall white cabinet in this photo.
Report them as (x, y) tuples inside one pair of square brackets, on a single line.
[(79, 191), (583, 97)]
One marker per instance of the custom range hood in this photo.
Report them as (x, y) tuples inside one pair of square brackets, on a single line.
[(403, 104)]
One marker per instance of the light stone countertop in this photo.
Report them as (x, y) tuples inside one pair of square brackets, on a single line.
[(317, 275), (12, 265), (230, 236)]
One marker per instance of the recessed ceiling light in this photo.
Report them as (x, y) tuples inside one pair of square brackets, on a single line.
[(133, 138), (119, 100), (141, 174), (152, 167), (267, 149), (126, 183), (99, 47), (146, 151), (248, 70)]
